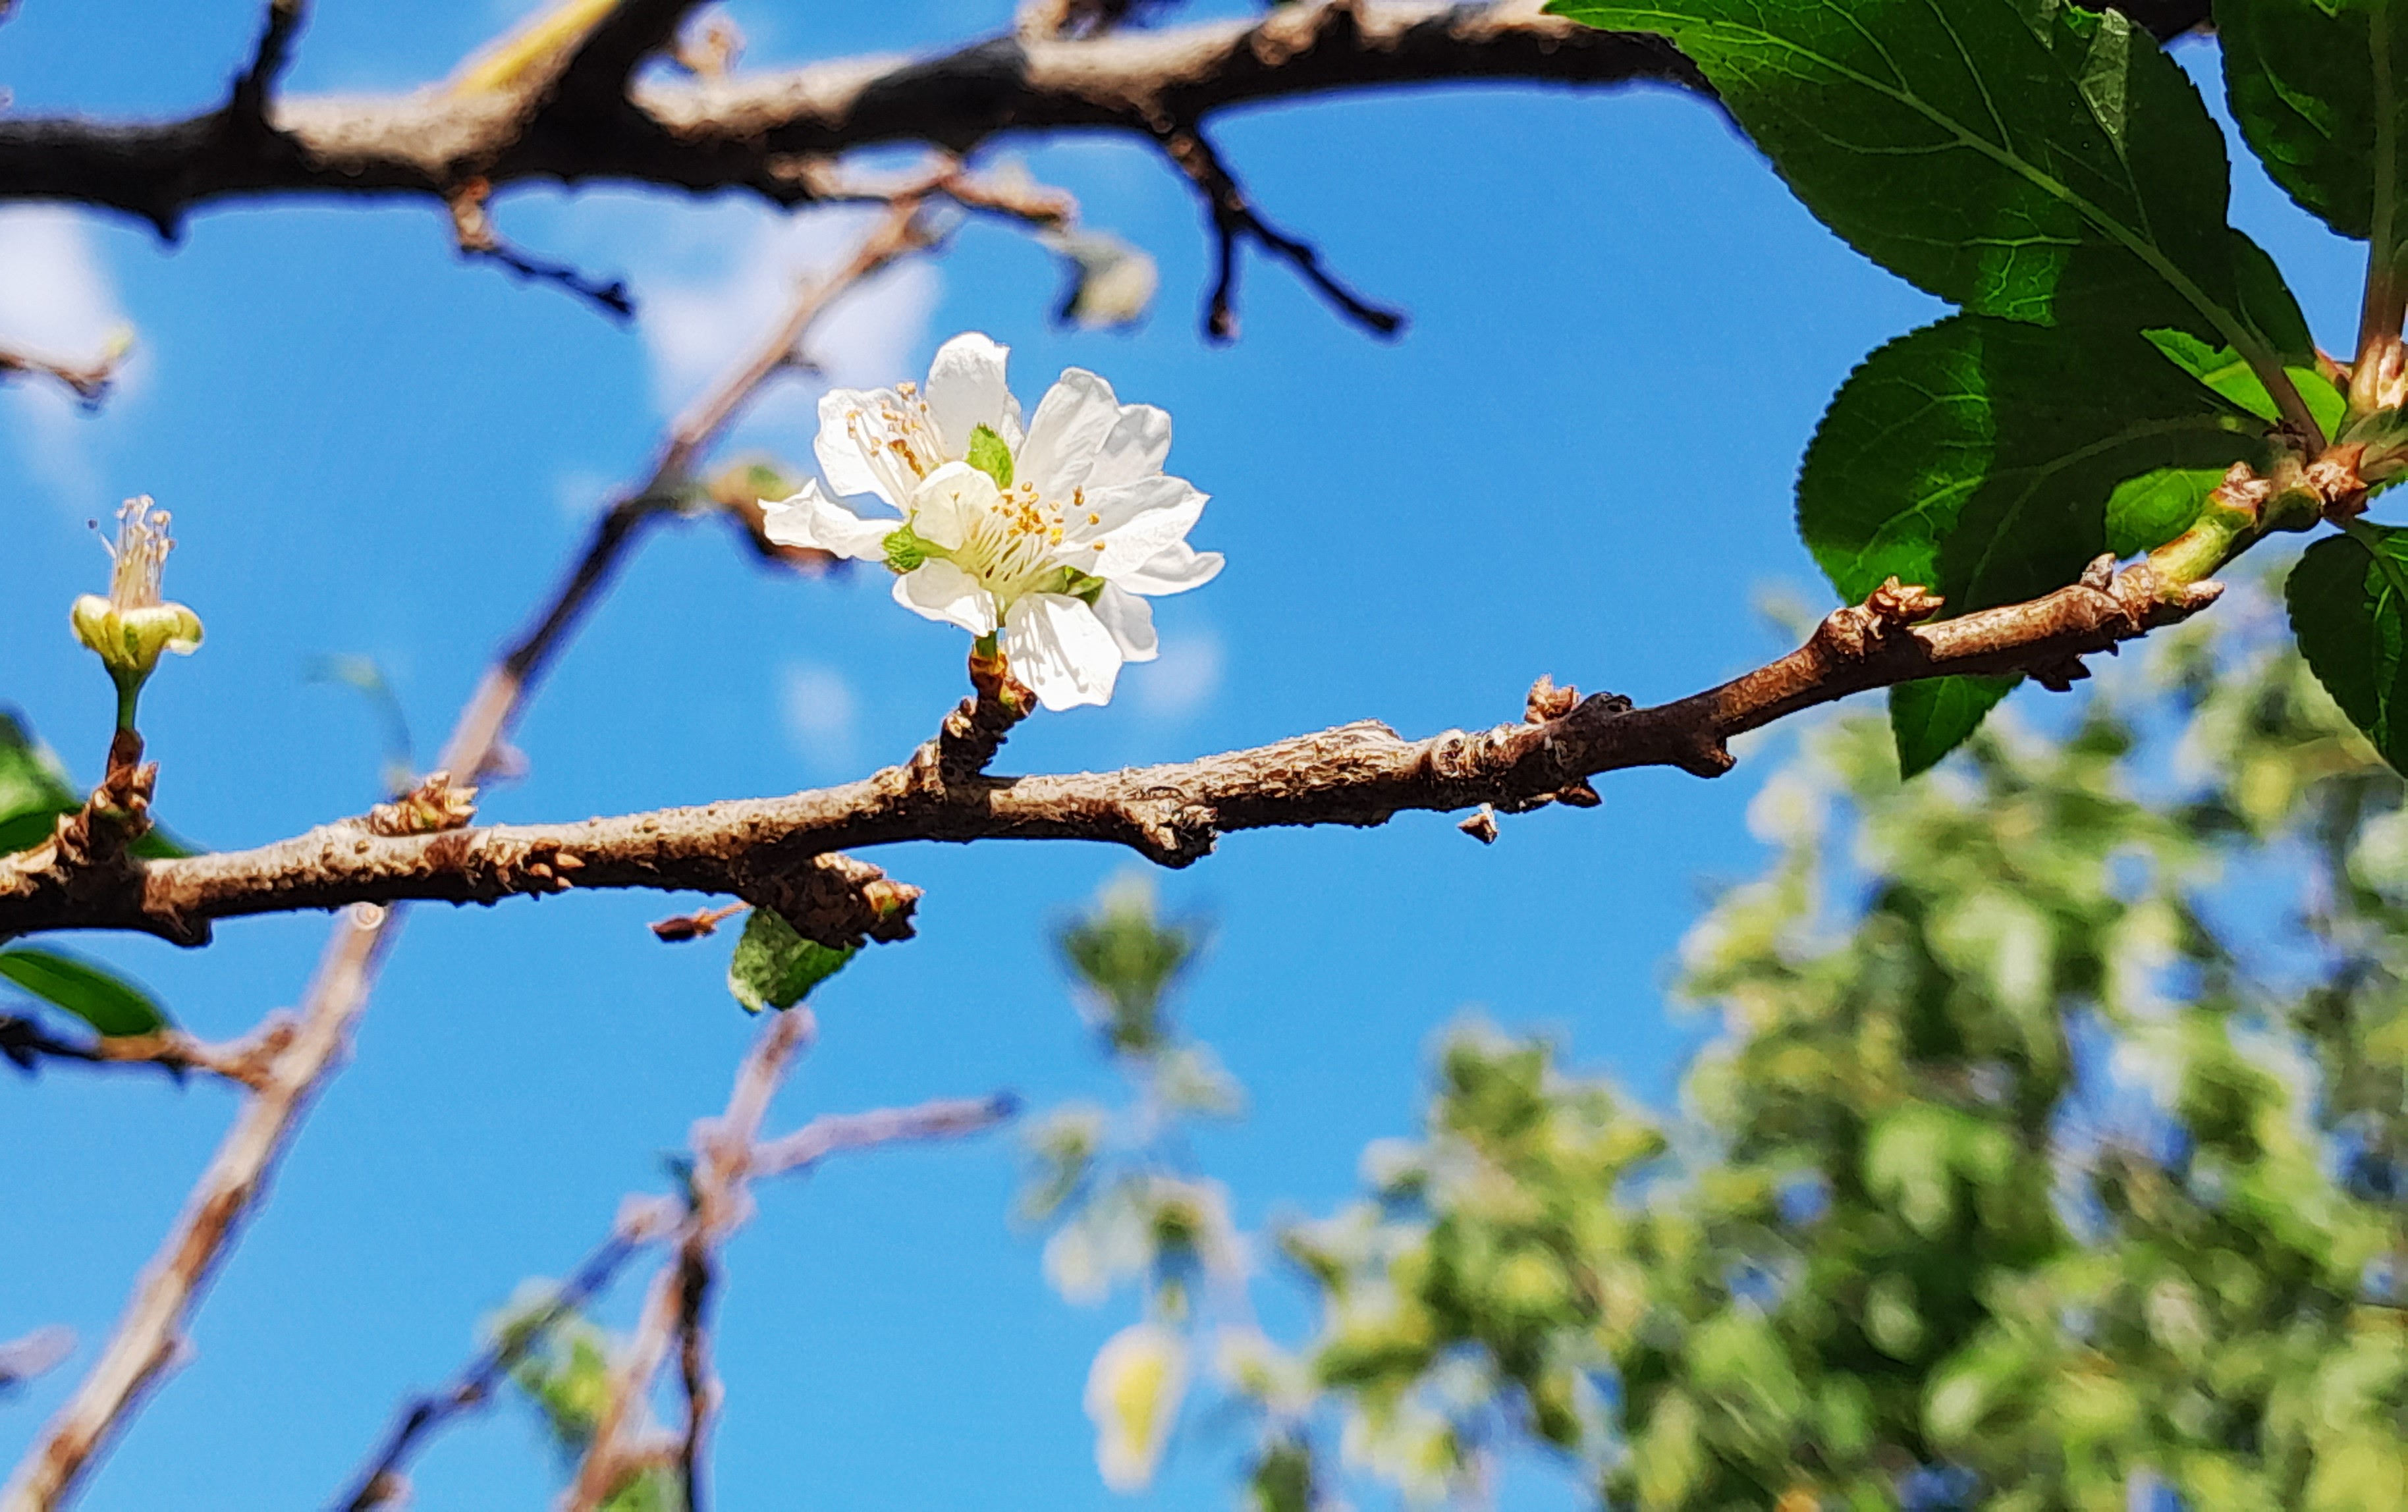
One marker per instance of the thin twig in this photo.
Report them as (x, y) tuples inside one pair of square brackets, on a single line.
[(1235, 218), (380, 1483), (245, 1062), (144, 1345), (722, 1150)]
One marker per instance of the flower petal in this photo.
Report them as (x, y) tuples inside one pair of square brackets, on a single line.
[(1108, 509), (955, 497), (1126, 547), (966, 389), (856, 425), (1130, 620), (1066, 433), (1135, 446), (1058, 646), (938, 589), (811, 519), (1174, 569)]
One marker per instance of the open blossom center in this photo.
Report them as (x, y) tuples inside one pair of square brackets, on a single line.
[(139, 555), (1013, 545)]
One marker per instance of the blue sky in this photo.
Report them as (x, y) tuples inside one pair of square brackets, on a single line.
[(1578, 461)]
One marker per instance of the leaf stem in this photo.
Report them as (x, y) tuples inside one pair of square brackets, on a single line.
[(2381, 311)]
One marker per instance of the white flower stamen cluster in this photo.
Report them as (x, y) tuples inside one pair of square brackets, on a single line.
[(1048, 535)]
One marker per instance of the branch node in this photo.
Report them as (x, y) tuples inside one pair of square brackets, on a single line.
[(429, 809), (1482, 826)]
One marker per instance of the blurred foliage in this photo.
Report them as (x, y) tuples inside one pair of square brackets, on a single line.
[(2051, 1156), (565, 1375)]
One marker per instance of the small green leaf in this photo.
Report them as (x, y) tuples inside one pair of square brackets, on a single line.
[(774, 967), (990, 455), (2145, 512), (2317, 87), (111, 1005), (2021, 158), (1932, 718), (2223, 370), (34, 788), (2348, 599)]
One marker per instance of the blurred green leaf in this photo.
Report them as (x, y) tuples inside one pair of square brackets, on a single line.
[(774, 967), (112, 1006)]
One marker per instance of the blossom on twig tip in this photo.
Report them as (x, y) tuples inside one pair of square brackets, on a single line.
[(1048, 535)]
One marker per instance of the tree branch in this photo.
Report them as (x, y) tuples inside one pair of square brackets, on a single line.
[(144, 1346), (777, 851), (1235, 219), (245, 1062), (761, 131), (382, 1482)]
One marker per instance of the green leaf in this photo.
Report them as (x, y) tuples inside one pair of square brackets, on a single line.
[(1979, 457), (1930, 718), (774, 967), (108, 1002), (2317, 89), (2145, 512), (990, 455), (34, 788), (2022, 158), (2222, 370), (2348, 599)]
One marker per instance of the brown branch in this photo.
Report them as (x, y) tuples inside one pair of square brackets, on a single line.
[(1235, 219), (269, 60), (245, 1062), (144, 1346), (751, 131), (1358, 773), (473, 232)]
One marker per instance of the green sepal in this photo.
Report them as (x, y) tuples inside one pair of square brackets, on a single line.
[(906, 549), (774, 967), (113, 1006), (990, 454), (1070, 581)]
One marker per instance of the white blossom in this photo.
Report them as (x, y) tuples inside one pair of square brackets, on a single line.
[(1049, 535)]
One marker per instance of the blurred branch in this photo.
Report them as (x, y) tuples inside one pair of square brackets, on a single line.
[(145, 1344), (88, 382), (728, 1156), (778, 851), (382, 1483), (244, 1062), (568, 116)]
